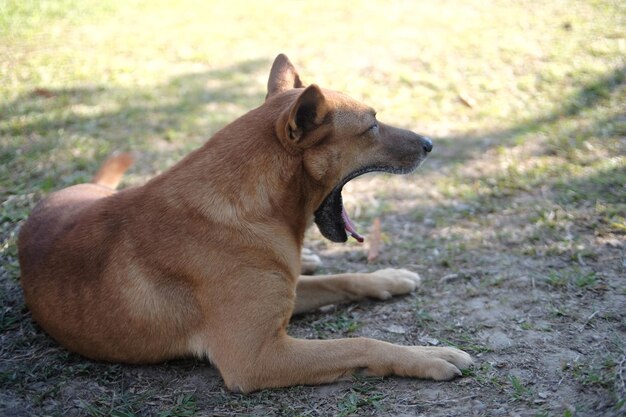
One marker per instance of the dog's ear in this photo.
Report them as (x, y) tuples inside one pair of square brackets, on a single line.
[(283, 77), (307, 115)]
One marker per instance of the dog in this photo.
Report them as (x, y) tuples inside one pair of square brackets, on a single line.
[(204, 259)]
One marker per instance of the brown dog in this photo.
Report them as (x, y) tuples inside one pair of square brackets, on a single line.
[(204, 259)]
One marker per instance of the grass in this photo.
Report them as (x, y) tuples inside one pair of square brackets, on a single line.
[(598, 372), (185, 406), (466, 343), (422, 318), (519, 392), (362, 398), (572, 277), (124, 405), (333, 324), (523, 195)]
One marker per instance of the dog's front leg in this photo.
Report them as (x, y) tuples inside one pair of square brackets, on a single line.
[(246, 337), (285, 361), (316, 291)]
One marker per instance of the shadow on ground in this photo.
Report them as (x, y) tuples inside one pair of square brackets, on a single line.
[(66, 130), (588, 96)]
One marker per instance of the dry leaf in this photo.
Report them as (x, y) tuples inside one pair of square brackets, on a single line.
[(375, 241), (43, 92), (467, 100)]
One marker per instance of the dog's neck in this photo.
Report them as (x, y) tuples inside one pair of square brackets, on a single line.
[(243, 175)]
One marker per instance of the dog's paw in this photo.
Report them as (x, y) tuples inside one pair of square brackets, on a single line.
[(310, 262), (386, 283), (441, 363), (459, 358)]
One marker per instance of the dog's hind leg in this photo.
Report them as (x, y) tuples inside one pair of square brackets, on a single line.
[(316, 291)]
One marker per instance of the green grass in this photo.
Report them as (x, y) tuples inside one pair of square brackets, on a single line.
[(596, 371), (573, 277), (465, 342), (422, 318), (362, 398), (519, 391), (185, 406), (25, 17), (338, 323), (122, 405)]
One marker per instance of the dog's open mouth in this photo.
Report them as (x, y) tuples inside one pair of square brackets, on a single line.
[(331, 216), (333, 220)]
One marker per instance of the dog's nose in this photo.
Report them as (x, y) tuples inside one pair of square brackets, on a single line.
[(427, 143)]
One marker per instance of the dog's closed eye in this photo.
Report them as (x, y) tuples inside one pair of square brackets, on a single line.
[(372, 129)]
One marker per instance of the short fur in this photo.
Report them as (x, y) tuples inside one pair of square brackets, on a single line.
[(204, 259)]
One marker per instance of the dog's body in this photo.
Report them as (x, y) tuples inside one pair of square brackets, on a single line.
[(204, 259)]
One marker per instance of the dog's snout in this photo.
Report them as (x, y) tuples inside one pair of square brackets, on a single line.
[(427, 143)]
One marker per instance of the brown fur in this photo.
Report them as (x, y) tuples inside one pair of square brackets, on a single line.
[(204, 259)]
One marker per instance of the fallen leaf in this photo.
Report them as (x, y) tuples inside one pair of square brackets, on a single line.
[(427, 340), (375, 241), (467, 100), (43, 92), (394, 328)]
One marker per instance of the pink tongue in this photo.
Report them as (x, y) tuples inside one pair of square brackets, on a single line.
[(350, 226)]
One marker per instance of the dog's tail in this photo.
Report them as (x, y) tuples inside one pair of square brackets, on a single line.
[(111, 172)]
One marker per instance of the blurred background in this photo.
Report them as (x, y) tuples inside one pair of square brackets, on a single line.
[(525, 187), (100, 76)]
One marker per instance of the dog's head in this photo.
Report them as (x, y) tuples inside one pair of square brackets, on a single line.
[(339, 139)]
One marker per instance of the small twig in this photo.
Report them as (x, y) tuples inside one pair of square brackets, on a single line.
[(620, 377), (448, 278), (467, 100), (375, 239), (589, 319)]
